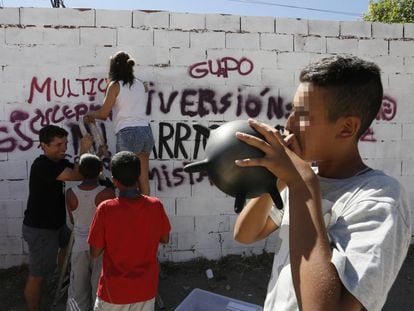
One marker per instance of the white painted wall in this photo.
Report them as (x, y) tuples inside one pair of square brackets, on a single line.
[(67, 51)]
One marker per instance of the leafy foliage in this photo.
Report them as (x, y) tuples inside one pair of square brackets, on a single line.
[(390, 11)]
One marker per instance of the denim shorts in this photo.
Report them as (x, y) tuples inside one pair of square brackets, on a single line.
[(135, 139), (43, 248)]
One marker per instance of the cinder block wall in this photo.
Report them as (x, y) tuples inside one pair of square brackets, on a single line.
[(202, 68)]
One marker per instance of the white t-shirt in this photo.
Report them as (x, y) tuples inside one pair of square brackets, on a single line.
[(130, 106), (368, 223)]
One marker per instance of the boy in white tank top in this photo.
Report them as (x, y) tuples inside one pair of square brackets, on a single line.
[(81, 202)]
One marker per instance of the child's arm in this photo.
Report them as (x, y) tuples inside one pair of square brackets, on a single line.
[(95, 252), (254, 223), (71, 203), (165, 239)]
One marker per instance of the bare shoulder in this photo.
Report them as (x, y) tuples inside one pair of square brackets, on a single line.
[(105, 194)]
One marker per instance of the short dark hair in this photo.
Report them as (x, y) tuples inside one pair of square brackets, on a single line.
[(49, 132), (121, 68), (89, 166), (126, 168), (355, 86)]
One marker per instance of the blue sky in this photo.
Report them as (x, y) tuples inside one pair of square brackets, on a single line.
[(309, 9)]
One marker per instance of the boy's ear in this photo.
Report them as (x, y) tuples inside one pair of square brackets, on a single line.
[(348, 126)]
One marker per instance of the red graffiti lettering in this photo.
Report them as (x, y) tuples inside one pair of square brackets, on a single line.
[(88, 87), (199, 70), (368, 136), (388, 109)]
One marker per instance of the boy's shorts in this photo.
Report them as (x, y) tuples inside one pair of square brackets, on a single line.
[(43, 248), (135, 139), (101, 305)]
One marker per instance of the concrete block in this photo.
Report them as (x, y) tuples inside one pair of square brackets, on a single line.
[(58, 17), (113, 18), (278, 78), (3, 227), (402, 48), (8, 261), (383, 30), (257, 24), (11, 208), (204, 206), (11, 246), (223, 22), (207, 40), (13, 170), (150, 19), (324, 28), (165, 75), (387, 131), (19, 189), (2, 36), (205, 188), (389, 64), (359, 29), (292, 60), (98, 36), (373, 47), (4, 190), (386, 149), (10, 16), (340, 46), (408, 167), (151, 56), (171, 38), (187, 21), (207, 224), (401, 81), (182, 223), (403, 111), (28, 35), (245, 41), (136, 37), (409, 30), (186, 56), (292, 26), (14, 227), (310, 44), (276, 42), (408, 131), (75, 56), (408, 64), (53, 36)]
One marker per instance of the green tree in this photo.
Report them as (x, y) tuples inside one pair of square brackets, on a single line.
[(390, 11)]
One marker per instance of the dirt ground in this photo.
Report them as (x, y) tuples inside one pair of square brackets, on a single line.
[(243, 278)]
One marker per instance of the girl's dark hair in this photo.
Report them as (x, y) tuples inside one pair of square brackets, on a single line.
[(121, 68), (354, 84)]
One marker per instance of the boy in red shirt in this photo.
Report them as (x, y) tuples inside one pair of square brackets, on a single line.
[(128, 230)]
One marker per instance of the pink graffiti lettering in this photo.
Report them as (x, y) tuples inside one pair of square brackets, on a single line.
[(368, 136), (388, 109), (222, 67), (15, 138), (66, 88)]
